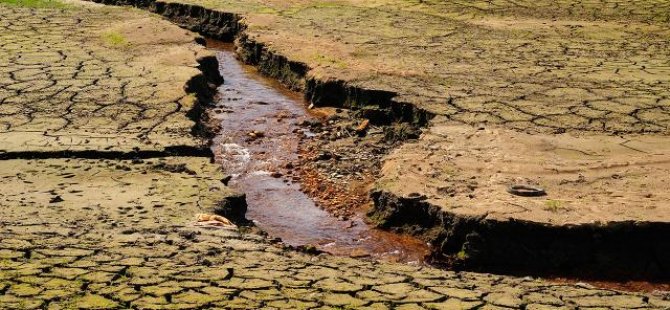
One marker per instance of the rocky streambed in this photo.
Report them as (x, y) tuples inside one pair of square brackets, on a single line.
[(262, 128)]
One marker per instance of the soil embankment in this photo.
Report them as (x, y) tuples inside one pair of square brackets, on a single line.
[(521, 93), (122, 233), (258, 144)]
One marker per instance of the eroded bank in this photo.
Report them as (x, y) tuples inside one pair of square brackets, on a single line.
[(382, 105), (258, 146)]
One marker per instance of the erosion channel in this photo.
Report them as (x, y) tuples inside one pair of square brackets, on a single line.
[(259, 136)]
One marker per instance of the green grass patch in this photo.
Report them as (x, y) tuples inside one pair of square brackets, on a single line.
[(37, 4), (267, 10), (462, 255), (114, 39), (553, 205), (324, 60)]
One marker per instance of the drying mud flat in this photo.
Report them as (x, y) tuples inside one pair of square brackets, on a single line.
[(603, 200), (109, 185), (548, 70), (558, 74)]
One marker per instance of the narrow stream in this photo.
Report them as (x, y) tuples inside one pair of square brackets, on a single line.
[(248, 102), (259, 134)]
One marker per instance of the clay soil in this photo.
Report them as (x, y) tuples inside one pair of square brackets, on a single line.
[(568, 96), (587, 178)]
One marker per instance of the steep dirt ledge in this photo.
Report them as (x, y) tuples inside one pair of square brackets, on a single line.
[(488, 65), (480, 62), (379, 105), (133, 245), (605, 208), (104, 88)]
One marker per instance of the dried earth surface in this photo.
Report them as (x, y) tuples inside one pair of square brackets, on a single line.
[(531, 65), (109, 87), (568, 96), (102, 181)]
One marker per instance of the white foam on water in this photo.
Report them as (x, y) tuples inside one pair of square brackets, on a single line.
[(260, 172), (328, 245), (233, 154), (236, 151)]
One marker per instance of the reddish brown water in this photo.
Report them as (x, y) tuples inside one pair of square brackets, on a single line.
[(248, 102)]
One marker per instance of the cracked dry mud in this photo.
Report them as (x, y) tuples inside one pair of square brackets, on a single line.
[(76, 81), (105, 233), (554, 76), (529, 65)]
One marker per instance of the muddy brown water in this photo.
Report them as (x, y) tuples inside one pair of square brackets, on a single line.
[(250, 103)]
